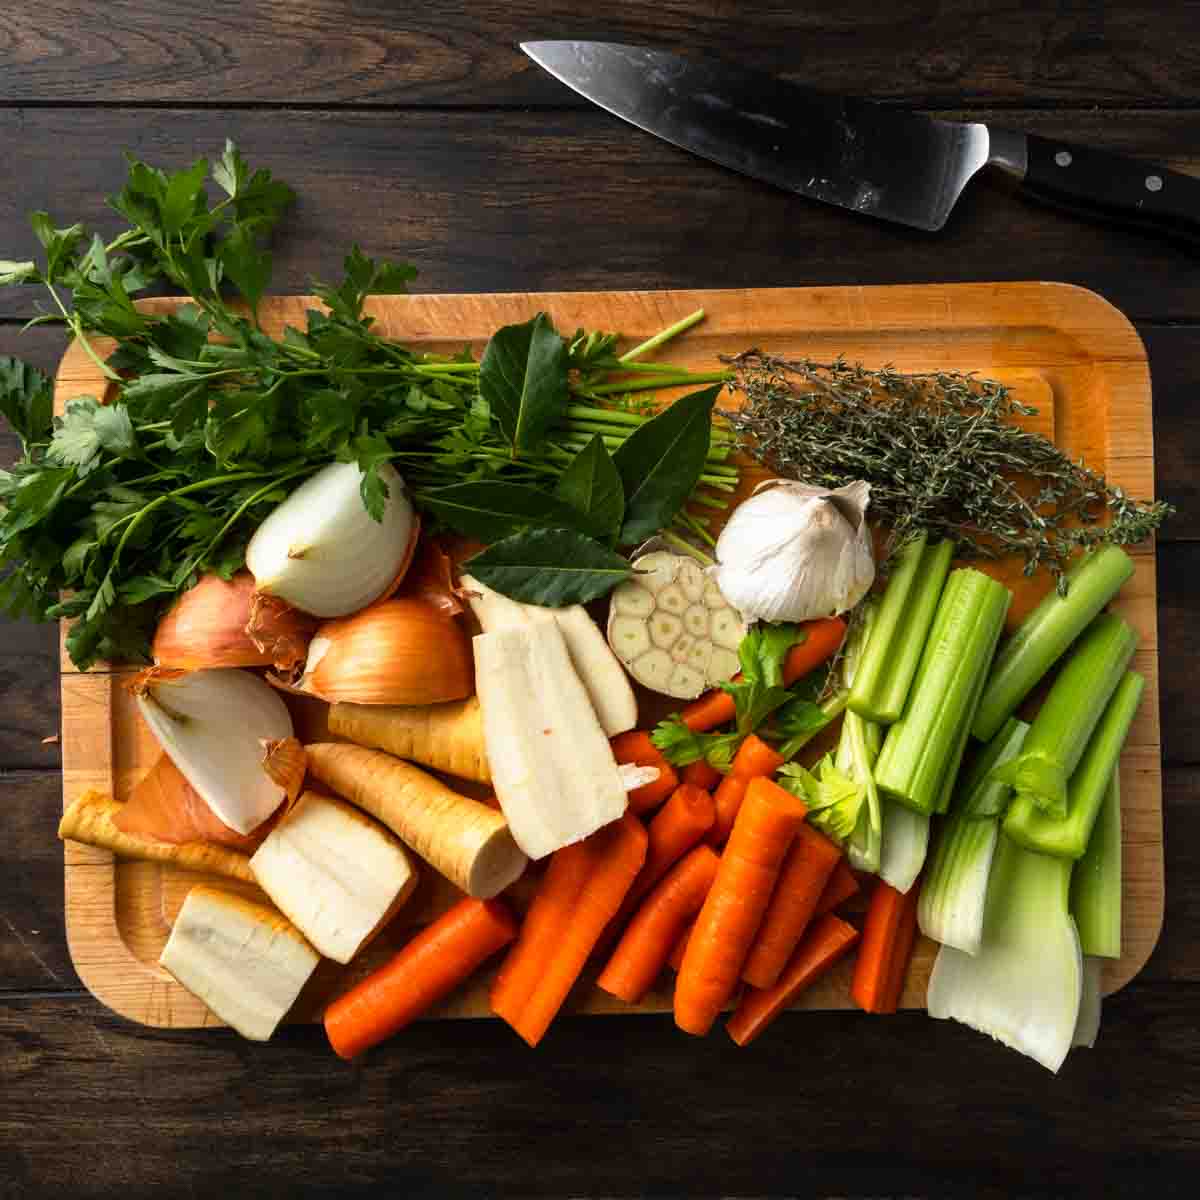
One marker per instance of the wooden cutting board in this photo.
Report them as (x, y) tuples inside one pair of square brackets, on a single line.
[(1063, 349)]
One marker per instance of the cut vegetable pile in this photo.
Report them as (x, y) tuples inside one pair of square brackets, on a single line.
[(863, 754)]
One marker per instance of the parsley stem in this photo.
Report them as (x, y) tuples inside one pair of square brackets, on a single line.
[(664, 336), (657, 382), (669, 535), (690, 522)]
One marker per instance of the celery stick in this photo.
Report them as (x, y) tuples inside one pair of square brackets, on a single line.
[(1045, 634), (1025, 985), (1096, 881), (905, 843), (920, 747), (1087, 1025), (955, 887), (865, 845), (1064, 723), (1068, 837), (950, 778), (906, 612)]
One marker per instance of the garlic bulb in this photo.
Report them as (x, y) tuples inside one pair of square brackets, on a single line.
[(794, 552), (212, 724), (323, 553)]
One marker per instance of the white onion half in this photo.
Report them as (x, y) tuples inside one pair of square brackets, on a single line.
[(323, 553), (212, 725)]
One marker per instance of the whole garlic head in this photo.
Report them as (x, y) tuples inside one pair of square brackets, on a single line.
[(794, 552)]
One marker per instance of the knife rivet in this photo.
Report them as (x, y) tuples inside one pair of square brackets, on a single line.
[(1063, 158), (1154, 183)]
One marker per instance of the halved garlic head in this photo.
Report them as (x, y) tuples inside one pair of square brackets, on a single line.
[(671, 627)]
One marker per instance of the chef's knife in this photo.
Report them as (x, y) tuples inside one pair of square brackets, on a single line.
[(854, 153)]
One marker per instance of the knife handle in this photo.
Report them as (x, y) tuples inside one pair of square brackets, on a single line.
[(1118, 189)]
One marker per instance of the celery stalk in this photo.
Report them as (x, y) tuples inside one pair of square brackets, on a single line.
[(857, 759), (950, 779), (1068, 836), (905, 843), (921, 746), (955, 886), (1044, 635), (1087, 1026), (1064, 723), (1025, 985), (1096, 881), (884, 675)]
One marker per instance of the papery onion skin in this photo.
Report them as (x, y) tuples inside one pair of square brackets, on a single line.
[(225, 623), (400, 651), (323, 553)]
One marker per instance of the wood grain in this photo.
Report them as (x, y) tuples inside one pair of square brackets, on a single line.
[(1065, 350), (604, 1108), (545, 201), (373, 53)]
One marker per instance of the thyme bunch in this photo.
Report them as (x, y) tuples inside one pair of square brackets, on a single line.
[(942, 455)]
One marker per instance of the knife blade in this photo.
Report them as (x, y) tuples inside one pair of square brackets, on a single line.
[(857, 154)]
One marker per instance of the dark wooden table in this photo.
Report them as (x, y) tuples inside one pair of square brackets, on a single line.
[(420, 132)]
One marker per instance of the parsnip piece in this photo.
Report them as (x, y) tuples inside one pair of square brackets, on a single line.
[(552, 766), (447, 737), (466, 841), (89, 819), (335, 873), (607, 684), (672, 628), (243, 960)]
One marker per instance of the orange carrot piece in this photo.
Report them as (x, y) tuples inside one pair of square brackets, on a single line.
[(678, 826), (883, 955), (580, 893), (902, 952), (675, 959), (841, 886), (700, 774), (429, 967), (755, 757), (651, 795), (802, 879), (728, 798), (827, 939), (716, 952), (636, 747), (821, 639), (643, 949)]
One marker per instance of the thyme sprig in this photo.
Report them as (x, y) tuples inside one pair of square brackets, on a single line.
[(942, 455)]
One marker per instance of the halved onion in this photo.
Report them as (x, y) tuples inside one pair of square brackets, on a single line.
[(219, 623), (400, 651), (212, 725), (323, 553)]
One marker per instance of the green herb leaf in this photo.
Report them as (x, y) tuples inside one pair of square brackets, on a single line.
[(17, 272), (523, 376), (491, 509), (682, 746), (247, 265), (86, 428), (372, 452), (833, 799), (760, 691), (26, 400), (554, 567), (364, 277), (662, 461), (590, 485)]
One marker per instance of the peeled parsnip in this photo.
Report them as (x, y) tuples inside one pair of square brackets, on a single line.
[(672, 628), (468, 842), (603, 677), (447, 737)]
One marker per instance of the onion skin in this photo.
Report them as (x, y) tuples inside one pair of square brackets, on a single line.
[(400, 651), (228, 624)]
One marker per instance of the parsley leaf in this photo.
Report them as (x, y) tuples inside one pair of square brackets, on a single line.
[(833, 799), (760, 690), (681, 746), (26, 400)]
